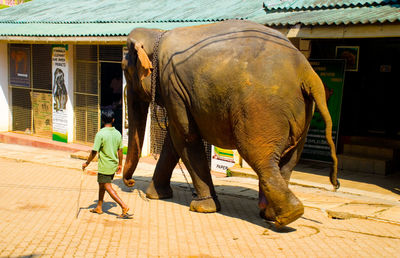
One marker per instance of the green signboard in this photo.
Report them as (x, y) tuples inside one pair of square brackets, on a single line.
[(331, 73)]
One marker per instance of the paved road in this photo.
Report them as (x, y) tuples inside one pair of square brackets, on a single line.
[(38, 204)]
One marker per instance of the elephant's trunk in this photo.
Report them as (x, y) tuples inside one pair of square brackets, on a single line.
[(137, 116)]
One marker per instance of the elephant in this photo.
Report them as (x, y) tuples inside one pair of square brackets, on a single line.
[(235, 84), (59, 91)]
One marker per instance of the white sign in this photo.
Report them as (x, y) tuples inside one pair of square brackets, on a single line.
[(221, 159), (59, 92)]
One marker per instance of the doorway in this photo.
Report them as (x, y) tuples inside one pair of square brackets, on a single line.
[(111, 90)]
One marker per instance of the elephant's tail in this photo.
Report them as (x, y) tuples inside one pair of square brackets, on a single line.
[(315, 88)]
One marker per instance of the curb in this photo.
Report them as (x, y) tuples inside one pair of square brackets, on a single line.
[(34, 141), (248, 173)]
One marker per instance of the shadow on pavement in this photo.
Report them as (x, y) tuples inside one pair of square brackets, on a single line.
[(231, 205), (140, 184), (106, 207)]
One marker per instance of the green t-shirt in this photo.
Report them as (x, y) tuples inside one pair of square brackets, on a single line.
[(107, 143)]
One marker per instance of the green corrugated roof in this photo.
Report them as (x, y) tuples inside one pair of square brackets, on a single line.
[(83, 29), (105, 11), (318, 4), (330, 12), (117, 17), (61, 18), (351, 15)]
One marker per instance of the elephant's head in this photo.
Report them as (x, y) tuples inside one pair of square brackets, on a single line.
[(137, 68)]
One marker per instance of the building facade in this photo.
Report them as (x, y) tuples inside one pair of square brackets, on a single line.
[(44, 40), (366, 35), (85, 41)]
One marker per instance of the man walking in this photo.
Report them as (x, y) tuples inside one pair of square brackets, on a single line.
[(108, 143)]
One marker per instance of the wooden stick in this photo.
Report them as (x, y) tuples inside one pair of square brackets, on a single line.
[(79, 195)]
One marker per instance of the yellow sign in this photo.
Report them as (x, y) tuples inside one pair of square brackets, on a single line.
[(42, 113)]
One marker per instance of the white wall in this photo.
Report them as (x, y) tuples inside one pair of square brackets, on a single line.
[(70, 90), (4, 93), (146, 142)]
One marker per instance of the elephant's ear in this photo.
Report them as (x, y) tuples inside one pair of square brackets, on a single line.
[(144, 65)]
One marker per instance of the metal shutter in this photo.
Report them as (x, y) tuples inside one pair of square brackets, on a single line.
[(37, 63), (21, 110), (87, 117), (110, 53), (20, 94), (41, 65), (42, 87)]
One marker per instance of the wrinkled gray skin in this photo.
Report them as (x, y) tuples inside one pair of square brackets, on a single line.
[(237, 85)]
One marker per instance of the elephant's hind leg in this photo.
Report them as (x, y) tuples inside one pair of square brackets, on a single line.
[(280, 204), (283, 206), (160, 187), (287, 163), (292, 157)]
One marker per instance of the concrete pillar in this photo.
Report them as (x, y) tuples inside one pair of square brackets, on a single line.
[(5, 104)]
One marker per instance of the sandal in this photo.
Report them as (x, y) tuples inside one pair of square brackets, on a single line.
[(125, 214), (95, 211)]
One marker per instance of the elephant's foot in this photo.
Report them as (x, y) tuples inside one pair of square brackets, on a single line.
[(288, 217), (205, 205), (158, 192), (266, 211), (129, 182), (282, 220), (268, 214)]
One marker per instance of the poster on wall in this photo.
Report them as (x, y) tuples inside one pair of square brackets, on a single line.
[(221, 159), (20, 66), (42, 113), (331, 73), (350, 54), (59, 92), (124, 109)]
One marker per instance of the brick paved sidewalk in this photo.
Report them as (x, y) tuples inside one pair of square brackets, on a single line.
[(346, 203), (38, 205)]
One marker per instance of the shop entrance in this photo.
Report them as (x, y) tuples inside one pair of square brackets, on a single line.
[(96, 66), (111, 90)]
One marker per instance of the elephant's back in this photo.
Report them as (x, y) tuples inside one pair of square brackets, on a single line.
[(233, 67), (222, 35), (232, 56), (228, 46)]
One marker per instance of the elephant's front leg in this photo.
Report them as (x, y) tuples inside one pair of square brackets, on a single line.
[(191, 149), (160, 187)]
